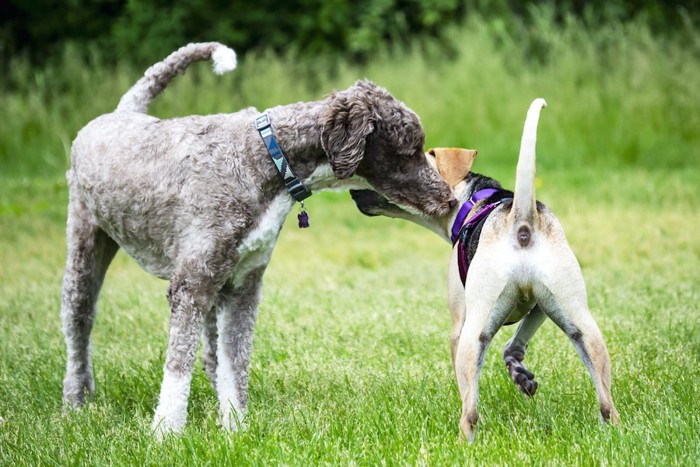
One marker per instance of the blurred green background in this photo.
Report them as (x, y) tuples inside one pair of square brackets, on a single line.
[(143, 29), (620, 77), (351, 363)]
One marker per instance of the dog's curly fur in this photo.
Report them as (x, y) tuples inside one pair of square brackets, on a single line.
[(197, 200)]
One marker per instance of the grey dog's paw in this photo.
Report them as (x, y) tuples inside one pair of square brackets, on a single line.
[(521, 376)]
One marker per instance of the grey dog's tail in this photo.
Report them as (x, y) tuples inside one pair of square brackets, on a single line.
[(159, 75), (524, 212)]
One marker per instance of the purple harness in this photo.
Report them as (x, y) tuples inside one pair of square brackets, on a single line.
[(462, 224)]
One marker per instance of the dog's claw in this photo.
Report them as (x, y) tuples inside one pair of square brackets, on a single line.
[(529, 388), (526, 372)]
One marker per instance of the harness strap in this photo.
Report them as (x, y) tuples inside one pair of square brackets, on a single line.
[(467, 207), (463, 263), (465, 231)]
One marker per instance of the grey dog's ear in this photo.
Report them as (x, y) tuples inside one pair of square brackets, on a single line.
[(347, 122)]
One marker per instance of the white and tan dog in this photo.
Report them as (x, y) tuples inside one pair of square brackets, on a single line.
[(520, 268)]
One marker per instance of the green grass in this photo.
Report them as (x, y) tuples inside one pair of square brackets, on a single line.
[(351, 362)]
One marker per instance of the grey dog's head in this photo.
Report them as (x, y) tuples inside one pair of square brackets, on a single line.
[(453, 165), (369, 133)]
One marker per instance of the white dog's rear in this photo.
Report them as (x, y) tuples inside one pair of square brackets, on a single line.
[(522, 268)]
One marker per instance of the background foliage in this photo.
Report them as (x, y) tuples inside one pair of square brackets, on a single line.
[(143, 29), (621, 95)]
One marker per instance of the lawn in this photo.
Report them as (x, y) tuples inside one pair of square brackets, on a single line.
[(351, 360)]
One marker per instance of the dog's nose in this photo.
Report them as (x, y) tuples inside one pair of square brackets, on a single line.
[(453, 204)]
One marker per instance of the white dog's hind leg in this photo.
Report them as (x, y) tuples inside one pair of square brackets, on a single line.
[(488, 304), (90, 252), (562, 296), (515, 349)]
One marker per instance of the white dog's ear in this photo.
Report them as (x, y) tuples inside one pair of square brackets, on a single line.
[(453, 164)]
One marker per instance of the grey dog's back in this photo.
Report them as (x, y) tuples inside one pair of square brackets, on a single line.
[(130, 167)]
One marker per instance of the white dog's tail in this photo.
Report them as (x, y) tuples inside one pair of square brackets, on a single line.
[(159, 75), (524, 212)]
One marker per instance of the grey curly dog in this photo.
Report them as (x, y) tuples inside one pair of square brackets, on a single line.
[(198, 201)]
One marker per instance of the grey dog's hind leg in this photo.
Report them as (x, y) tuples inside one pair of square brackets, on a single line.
[(90, 251), (209, 338), (514, 352)]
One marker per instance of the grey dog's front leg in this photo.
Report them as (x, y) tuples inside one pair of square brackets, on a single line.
[(189, 296), (237, 310)]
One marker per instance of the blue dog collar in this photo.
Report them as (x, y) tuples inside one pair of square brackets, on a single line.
[(295, 187)]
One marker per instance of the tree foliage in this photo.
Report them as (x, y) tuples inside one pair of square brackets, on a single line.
[(144, 29)]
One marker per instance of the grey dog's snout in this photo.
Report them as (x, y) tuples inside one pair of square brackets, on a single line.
[(367, 201)]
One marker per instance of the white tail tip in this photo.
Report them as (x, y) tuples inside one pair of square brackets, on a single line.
[(538, 104), (224, 60)]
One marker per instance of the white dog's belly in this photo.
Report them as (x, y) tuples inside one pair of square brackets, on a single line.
[(521, 309)]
